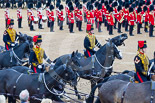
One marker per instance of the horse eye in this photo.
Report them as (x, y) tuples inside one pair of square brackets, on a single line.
[(66, 74)]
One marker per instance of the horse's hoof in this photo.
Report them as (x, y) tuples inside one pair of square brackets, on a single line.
[(79, 97)]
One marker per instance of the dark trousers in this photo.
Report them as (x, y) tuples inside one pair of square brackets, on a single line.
[(115, 23), (151, 30), (61, 25), (131, 29), (58, 21), (99, 26), (71, 25), (126, 25), (138, 27), (107, 26), (103, 18), (67, 19), (39, 24), (146, 27), (105, 22), (79, 25), (141, 78), (96, 23), (31, 26), (48, 23), (110, 29), (19, 22), (119, 27), (51, 26), (123, 24)]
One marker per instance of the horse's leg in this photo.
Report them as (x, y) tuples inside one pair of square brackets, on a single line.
[(77, 93), (93, 83)]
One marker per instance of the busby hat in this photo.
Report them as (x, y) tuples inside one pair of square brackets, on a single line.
[(39, 5), (139, 9), (76, 1), (96, 4), (61, 7), (115, 4), (71, 8), (7, 5), (48, 4), (154, 2), (110, 9), (151, 7), (84, 1), (51, 7), (19, 4), (10, 22), (145, 8), (89, 27), (80, 6), (148, 3), (90, 7), (126, 5), (119, 8), (37, 39), (142, 44), (130, 9), (99, 6), (126, 1)]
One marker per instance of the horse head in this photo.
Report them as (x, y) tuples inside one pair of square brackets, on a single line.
[(119, 40)]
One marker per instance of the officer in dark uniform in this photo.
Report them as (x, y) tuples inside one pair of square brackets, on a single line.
[(90, 42), (141, 63), (10, 36), (37, 55)]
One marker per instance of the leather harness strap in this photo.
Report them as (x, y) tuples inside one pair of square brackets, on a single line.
[(122, 99)]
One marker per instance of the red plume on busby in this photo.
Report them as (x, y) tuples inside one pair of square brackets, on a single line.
[(142, 44), (37, 39)]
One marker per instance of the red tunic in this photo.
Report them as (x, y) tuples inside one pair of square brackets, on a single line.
[(40, 15), (99, 16), (7, 14), (51, 16), (131, 19), (151, 18), (139, 18), (19, 13), (119, 16), (71, 17), (79, 15), (60, 16), (90, 17), (110, 20), (47, 12), (146, 17), (31, 15)]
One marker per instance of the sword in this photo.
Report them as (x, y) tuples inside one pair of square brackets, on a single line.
[(152, 64)]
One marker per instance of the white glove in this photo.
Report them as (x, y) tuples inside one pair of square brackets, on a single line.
[(12, 44), (16, 42), (40, 66), (52, 64)]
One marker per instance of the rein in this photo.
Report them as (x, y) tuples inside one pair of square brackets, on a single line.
[(124, 92)]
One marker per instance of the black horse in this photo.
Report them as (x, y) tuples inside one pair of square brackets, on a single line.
[(99, 65), (14, 56), (13, 82)]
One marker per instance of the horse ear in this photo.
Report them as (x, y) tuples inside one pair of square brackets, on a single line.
[(73, 53), (76, 51)]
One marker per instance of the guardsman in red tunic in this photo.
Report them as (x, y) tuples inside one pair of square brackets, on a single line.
[(51, 18), (126, 14), (106, 17), (99, 17), (19, 14), (111, 21), (139, 20), (7, 14), (131, 21), (151, 20), (71, 19), (80, 18), (67, 10), (31, 17), (47, 13), (103, 10), (146, 18), (95, 13), (40, 15), (76, 13), (57, 13), (61, 16), (84, 10), (120, 18), (115, 12)]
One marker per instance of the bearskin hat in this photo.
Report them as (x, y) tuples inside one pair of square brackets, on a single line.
[(96, 4), (154, 2), (140, 4), (110, 9), (19, 4), (7, 5), (61, 7), (84, 1), (130, 9), (47, 4), (30, 5), (133, 5), (145, 8), (106, 3), (107, 7), (126, 1), (110, 1), (102, 1), (139, 9), (90, 7), (123, 4), (51, 7), (126, 5), (67, 1), (77, 4), (88, 3), (136, 3), (39, 5), (70, 3), (76, 1), (99, 6), (92, 1), (57, 5), (148, 3), (71, 8), (151, 7), (80, 6), (115, 4), (119, 8)]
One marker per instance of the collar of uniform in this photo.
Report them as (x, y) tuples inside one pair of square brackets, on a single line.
[(141, 53), (90, 33)]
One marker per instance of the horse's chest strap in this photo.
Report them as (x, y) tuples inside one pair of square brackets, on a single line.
[(124, 92)]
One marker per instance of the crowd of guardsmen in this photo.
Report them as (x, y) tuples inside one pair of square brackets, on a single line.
[(129, 14)]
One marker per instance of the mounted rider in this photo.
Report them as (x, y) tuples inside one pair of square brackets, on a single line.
[(10, 36), (141, 63), (37, 55), (90, 42)]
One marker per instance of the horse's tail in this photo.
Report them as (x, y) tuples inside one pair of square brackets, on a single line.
[(90, 99), (125, 72)]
